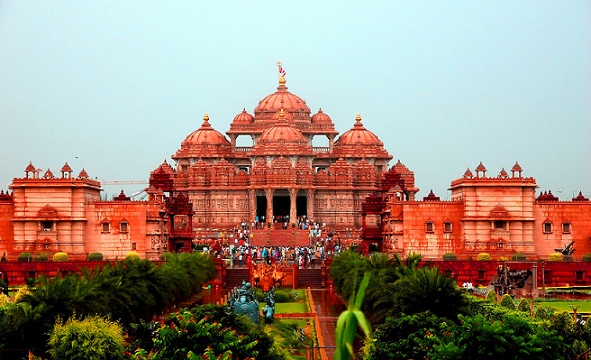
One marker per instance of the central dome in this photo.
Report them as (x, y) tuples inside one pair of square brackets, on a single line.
[(282, 99)]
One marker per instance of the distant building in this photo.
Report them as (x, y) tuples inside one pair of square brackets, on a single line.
[(499, 215)]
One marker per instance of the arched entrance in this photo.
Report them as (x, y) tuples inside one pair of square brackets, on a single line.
[(281, 205), (261, 207)]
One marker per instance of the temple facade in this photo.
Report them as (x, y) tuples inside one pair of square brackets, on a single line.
[(295, 168), (282, 177)]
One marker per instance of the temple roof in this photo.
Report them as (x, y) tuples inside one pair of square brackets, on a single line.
[(282, 99), (321, 118), (358, 140), (243, 118), (204, 142)]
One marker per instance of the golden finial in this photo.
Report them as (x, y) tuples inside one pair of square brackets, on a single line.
[(281, 72), (281, 114), (358, 117), (206, 117)]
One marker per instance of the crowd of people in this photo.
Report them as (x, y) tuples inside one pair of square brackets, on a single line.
[(304, 256), (238, 251)]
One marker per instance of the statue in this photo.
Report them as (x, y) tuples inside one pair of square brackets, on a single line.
[(567, 250), (243, 301), (267, 276), (269, 309)]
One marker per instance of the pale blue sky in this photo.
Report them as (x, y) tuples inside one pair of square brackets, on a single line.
[(115, 86)]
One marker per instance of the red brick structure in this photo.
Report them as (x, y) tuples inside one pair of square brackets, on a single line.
[(499, 215)]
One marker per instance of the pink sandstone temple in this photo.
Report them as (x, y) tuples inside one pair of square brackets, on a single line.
[(284, 178)]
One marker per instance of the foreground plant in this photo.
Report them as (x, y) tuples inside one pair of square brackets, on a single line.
[(93, 338), (349, 323)]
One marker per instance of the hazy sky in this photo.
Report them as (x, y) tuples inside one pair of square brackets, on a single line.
[(115, 86)]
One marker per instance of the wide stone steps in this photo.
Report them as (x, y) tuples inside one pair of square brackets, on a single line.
[(235, 276), (280, 237), (311, 278)]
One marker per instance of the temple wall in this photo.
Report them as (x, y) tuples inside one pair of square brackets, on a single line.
[(339, 208), (578, 214), (6, 227), (220, 209), (119, 239), (431, 241)]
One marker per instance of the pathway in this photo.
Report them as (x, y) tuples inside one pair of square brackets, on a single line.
[(327, 306)]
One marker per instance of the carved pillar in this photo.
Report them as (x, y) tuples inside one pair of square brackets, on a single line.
[(233, 141), (293, 215), (269, 195), (310, 207), (331, 142), (252, 204)]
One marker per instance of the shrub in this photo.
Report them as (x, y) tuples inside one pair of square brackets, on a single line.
[(483, 257), (22, 292), (523, 305), (25, 256), (60, 256), (543, 312), (508, 302), (4, 299), (283, 296), (93, 338), (556, 257), (165, 256), (587, 258), (42, 256), (449, 257), (132, 255), (518, 257), (95, 256), (491, 296), (3, 259)]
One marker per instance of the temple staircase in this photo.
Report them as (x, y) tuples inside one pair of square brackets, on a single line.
[(280, 237)]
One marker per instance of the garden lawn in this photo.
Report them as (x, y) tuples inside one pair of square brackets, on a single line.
[(584, 306), (287, 308)]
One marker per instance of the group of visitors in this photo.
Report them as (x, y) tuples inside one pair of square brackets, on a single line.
[(304, 256)]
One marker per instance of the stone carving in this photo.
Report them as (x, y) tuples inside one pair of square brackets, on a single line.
[(269, 309), (567, 250), (243, 301)]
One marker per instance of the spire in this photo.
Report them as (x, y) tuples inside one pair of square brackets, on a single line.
[(281, 72), (206, 123)]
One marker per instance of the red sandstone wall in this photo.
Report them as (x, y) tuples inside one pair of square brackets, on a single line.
[(6, 229), (578, 214), (116, 243), (416, 238)]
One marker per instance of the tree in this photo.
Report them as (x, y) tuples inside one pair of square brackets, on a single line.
[(92, 338), (408, 337), (184, 336), (427, 289)]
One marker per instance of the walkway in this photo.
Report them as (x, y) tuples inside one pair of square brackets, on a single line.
[(327, 306)]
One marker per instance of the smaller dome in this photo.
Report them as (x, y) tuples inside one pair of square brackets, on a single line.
[(321, 118), (206, 134), (205, 141), (243, 118), (358, 135), (66, 168)]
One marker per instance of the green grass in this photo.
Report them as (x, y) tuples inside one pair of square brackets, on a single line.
[(584, 306), (287, 308)]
